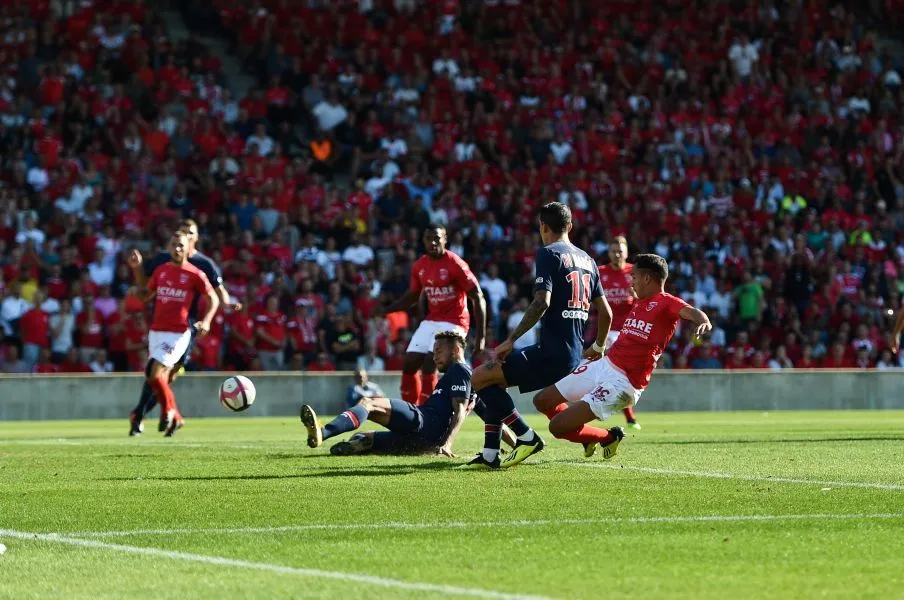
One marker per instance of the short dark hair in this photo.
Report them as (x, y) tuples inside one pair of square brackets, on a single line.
[(452, 336), (556, 216), (653, 264), (435, 227)]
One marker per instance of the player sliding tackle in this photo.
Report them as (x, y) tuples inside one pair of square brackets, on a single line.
[(413, 429), (174, 287), (601, 386)]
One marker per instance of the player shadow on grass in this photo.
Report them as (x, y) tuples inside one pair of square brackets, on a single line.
[(364, 471)]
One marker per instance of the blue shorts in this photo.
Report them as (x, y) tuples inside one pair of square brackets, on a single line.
[(186, 358), (532, 369), (410, 430)]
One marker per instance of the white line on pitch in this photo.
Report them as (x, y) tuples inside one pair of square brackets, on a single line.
[(715, 475), (273, 568), (480, 524)]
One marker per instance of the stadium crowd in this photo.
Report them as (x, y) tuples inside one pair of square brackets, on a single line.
[(758, 146)]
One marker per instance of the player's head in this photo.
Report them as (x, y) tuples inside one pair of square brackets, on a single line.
[(360, 376), (435, 240), (649, 274), (190, 229), (448, 348), (618, 251), (555, 222), (178, 247)]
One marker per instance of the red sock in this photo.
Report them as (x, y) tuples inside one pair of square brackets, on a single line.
[(411, 387), (584, 435), (629, 414), (164, 394), (428, 384)]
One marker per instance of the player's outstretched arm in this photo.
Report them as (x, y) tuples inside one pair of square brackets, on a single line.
[(605, 324), (225, 300), (896, 332), (532, 316), (479, 310), (459, 412), (135, 261), (698, 318), (403, 303)]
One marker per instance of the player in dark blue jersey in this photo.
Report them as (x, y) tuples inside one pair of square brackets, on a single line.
[(430, 427), (567, 285), (141, 271)]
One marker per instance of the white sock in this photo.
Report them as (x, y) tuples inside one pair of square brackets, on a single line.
[(490, 454), (527, 437)]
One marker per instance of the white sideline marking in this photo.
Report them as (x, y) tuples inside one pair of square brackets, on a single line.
[(273, 568), (715, 475), (480, 524)]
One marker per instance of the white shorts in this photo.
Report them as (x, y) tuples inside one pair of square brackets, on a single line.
[(600, 384), (425, 335), (167, 347), (610, 339)]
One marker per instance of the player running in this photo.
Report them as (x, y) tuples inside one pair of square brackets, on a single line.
[(602, 385), (616, 281), (174, 286), (567, 284), (430, 427), (447, 281), (141, 271)]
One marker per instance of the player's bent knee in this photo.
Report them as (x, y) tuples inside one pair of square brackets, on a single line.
[(548, 399)]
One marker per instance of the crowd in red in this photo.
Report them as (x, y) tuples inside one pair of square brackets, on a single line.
[(758, 146)]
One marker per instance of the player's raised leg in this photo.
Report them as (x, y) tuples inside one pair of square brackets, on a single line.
[(552, 403), (411, 380), (384, 411)]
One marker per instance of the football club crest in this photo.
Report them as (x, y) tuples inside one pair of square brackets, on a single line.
[(651, 306), (443, 274)]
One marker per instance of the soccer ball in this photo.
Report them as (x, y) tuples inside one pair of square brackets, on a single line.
[(237, 393)]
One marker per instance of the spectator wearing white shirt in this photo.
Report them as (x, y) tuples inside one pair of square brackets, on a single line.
[(330, 113), (720, 300), (30, 231), (465, 149), (223, 165), (494, 287), (395, 145), (328, 258), (572, 197), (560, 149), (407, 92), (12, 308), (530, 336), (78, 197), (100, 363), (743, 55), (467, 82), (99, 271), (37, 176), (110, 244), (446, 65), (226, 108), (692, 295), (260, 139), (62, 326), (358, 252)]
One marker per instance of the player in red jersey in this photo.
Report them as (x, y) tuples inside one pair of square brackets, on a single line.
[(447, 282), (616, 281), (174, 286), (602, 385)]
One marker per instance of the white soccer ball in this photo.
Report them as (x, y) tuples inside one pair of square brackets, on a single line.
[(237, 393)]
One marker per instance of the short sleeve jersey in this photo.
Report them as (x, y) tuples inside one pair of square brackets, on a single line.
[(573, 280), (455, 383), (645, 334), (617, 287), (177, 288), (446, 282), (198, 260)]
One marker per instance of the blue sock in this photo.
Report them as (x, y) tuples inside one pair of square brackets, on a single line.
[(146, 402), (492, 397), (351, 419), (502, 407)]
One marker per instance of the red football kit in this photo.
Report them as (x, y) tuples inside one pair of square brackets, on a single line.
[(446, 281), (617, 287), (175, 287), (644, 335)]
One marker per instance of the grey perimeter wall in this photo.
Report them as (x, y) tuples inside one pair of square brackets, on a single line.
[(102, 397)]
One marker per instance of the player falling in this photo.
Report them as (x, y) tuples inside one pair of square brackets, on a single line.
[(567, 284), (141, 270), (430, 427), (174, 286), (616, 281), (447, 282), (601, 385)]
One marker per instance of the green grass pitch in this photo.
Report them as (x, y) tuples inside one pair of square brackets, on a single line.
[(696, 505)]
